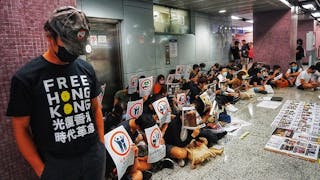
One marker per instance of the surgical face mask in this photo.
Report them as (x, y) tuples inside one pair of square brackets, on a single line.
[(244, 77), (265, 74), (294, 68), (64, 55), (224, 74)]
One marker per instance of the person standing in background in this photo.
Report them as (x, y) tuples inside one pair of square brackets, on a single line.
[(299, 53), (54, 107), (250, 53), (236, 52)]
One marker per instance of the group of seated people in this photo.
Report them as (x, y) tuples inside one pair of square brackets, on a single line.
[(231, 83)]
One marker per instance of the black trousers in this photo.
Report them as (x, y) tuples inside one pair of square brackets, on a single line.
[(89, 166)]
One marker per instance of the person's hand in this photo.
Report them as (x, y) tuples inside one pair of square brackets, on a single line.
[(135, 150), (139, 138), (195, 132), (162, 141), (145, 98)]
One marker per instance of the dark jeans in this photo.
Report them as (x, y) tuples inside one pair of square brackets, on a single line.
[(209, 135), (91, 165)]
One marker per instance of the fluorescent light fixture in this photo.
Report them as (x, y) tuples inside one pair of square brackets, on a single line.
[(286, 3), (235, 17), (222, 11), (308, 6), (316, 14), (249, 21)]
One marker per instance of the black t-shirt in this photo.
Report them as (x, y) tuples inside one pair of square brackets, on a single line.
[(255, 79), (57, 99), (235, 52), (300, 53), (172, 135), (245, 50)]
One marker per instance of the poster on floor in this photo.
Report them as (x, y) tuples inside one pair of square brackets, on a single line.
[(133, 84), (297, 130), (134, 109), (156, 150), (145, 86), (118, 144), (163, 110)]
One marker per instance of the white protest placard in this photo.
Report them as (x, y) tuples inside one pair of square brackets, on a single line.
[(118, 144), (179, 69), (181, 100), (145, 86), (133, 84), (134, 109), (163, 110), (170, 78), (156, 151), (186, 72), (173, 48), (206, 99), (191, 118), (172, 89)]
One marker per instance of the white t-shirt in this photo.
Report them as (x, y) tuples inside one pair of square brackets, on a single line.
[(303, 75), (289, 71)]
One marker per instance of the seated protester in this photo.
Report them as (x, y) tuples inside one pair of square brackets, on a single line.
[(196, 89), (305, 79), (214, 70), (237, 82), (122, 98), (195, 71), (292, 73), (317, 73), (258, 83), (159, 84), (177, 139), (202, 70), (274, 76), (230, 94), (113, 119), (132, 126), (253, 69), (193, 87)]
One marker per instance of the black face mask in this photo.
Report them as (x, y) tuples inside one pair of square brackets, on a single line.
[(64, 55)]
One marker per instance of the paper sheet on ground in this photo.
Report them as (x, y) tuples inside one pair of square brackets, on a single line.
[(235, 125), (269, 104)]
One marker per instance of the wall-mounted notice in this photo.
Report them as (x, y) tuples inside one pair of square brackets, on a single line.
[(173, 48)]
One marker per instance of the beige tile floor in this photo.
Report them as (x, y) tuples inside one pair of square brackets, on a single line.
[(246, 159)]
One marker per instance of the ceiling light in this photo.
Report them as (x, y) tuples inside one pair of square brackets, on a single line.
[(309, 6), (235, 17), (222, 11), (249, 21), (316, 14)]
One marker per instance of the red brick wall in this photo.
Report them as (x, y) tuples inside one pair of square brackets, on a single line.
[(271, 35), (21, 38), (304, 26)]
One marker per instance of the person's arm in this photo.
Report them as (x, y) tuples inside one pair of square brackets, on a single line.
[(25, 143), (97, 112)]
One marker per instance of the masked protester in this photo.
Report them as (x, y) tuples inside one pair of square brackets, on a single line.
[(159, 84), (54, 108)]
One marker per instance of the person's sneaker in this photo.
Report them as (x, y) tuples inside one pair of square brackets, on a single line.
[(167, 163), (263, 92), (181, 162), (231, 108), (146, 175)]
